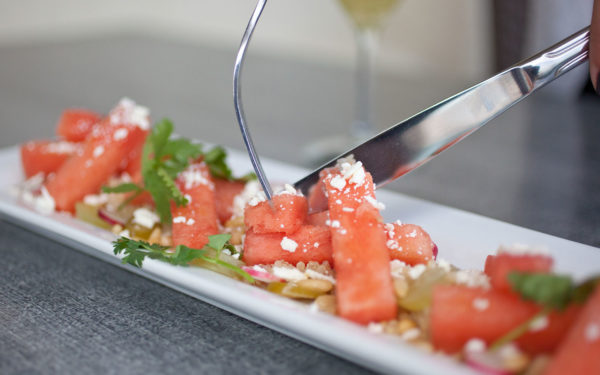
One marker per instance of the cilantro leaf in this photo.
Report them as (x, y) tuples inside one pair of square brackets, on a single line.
[(181, 150), (160, 137), (123, 188), (163, 159), (585, 289), (548, 290), (215, 160), (160, 194), (136, 251)]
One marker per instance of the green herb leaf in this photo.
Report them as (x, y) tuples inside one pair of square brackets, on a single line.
[(160, 194), (218, 241), (548, 290), (215, 160), (136, 251), (182, 150), (123, 188), (160, 137), (585, 289), (247, 177), (163, 159)]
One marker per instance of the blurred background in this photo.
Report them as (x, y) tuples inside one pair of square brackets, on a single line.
[(428, 50)]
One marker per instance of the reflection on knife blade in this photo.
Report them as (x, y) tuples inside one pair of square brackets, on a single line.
[(411, 143)]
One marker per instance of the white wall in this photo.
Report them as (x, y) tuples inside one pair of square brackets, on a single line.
[(428, 38)]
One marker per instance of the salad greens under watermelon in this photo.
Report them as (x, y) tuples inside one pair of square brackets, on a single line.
[(169, 199)]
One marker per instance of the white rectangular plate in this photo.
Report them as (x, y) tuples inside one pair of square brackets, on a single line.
[(463, 239)]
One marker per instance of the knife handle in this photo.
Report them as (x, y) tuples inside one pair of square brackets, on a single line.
[(553, 62)]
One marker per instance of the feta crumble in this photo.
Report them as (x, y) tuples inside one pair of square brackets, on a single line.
[(289, 273), (145, 217), (288, 244)]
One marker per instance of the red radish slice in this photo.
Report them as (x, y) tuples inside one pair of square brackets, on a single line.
[(261, 275), (110, 218), (487, 363)]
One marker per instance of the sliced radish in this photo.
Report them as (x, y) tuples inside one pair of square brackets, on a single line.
[(486, 363), (261, 275), (110, 218)]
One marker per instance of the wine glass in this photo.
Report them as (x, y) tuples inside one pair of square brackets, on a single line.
[(367, 17)]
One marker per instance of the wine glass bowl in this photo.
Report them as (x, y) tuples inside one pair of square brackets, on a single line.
[(367, 17)]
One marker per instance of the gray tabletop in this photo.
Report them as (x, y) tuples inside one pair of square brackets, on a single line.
[(64, 312)]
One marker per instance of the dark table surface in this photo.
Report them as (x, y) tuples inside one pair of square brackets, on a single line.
[(64, 312)]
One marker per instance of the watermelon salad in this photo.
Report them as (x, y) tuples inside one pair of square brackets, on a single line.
[(170, 199)]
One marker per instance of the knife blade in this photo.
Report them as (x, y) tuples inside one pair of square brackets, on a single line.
[(413, 142)]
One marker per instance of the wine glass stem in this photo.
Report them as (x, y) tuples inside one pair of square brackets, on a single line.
[(366, 47)]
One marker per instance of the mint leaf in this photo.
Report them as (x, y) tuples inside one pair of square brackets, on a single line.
[(548, 290)]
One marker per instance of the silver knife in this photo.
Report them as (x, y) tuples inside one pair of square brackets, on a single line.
[(415, 141)]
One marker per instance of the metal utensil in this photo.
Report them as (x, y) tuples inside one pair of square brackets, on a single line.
[(415, 141), (237, 99)]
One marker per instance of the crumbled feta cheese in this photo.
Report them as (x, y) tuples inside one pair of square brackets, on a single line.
[(179, 219), (62, 147), (259, 269), (125, 233), (472, 278), (539, 324), (289, 189), (375, 327), (44, 203), (481, 304), (353, 172), (251, 189), (592, 332), (193, 177), (412, 234), (393, 245), (289, 273), (443, 264), (318, 275), (288, 244), (34, 182), (378, 205), (316, 244), (98, 151), (145, 217), (128, 112), (120, 134), (95, 199), (335, 224), (411, 334), (416, 271), (338, 182), (475, 346), (190, 221), (397, 268), (348, 209)]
